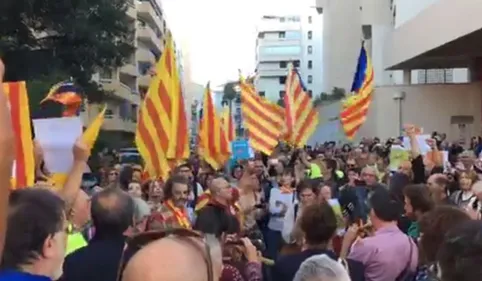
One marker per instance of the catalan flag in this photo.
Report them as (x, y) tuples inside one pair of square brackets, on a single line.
[(228, 124), (355, 107), (161, 135), (23, 173), (213, 145), (301, 116), (261, 119), (67, 94)]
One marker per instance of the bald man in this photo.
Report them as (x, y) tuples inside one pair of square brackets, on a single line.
[(438, 187), (173, 259), (219, 215), (78, 218)]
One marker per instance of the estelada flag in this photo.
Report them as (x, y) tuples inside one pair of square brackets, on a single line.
[(23, 172)]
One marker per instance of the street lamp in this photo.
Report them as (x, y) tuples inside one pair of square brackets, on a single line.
[(399, 97)]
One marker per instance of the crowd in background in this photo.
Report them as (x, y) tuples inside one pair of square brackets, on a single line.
[(330, 212)]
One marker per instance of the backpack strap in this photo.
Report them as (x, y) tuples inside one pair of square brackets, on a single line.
[(297, 207)]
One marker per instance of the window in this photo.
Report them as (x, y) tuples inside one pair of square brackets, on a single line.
[(106, 74), (282, 19), (309, 93), (262, 93), (310, 35), (281, 34), (293, 35), (282, 64), (261, 35), (310, 19), (310, 79), (310, 50), (282, 94), (280, 50), (282, 80), (296, 63), (310, 64)]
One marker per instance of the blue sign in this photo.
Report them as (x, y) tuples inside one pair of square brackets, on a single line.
[(241, 150)]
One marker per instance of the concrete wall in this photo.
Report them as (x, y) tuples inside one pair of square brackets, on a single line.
[(428, 106)]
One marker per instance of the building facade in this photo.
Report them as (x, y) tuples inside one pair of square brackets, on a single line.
[(426, 70), (127, 85), (285, 39)]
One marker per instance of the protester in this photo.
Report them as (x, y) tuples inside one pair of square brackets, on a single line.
[(36, 236), (417, 202), (219, 216), (318, 224), (175, 258), (396, 254), (112, 215), (321, 267), (79, 217), (460, 254), (438, 187), (173, 212)]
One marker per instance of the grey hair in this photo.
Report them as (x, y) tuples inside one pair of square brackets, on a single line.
[(321, 267)]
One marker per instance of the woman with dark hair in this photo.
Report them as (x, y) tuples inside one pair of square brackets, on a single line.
[(433, 227)]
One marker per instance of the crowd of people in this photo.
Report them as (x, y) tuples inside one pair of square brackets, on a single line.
[(328, 212)]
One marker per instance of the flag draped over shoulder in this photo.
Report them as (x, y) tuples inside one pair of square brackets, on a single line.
[(162, 134), (23, 173), (355, 107), (228, 124), (213, 143), (261, 119), (301, 116), (67, 94)]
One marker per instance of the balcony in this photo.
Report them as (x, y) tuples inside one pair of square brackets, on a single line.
[(129, 69), (146, 11), (145, 55), (120, 91), (272, 72), (115, 123), (149, 37), (144, 80), (131, 9)]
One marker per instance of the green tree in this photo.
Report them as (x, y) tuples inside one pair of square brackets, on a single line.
[(338, 93), (229, 92), (76, 38)]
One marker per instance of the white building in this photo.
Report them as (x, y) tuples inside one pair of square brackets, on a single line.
[(427, 71), (284, 39)]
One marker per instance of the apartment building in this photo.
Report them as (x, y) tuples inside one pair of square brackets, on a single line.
[(427, 70), (285, 39), (127, 84)]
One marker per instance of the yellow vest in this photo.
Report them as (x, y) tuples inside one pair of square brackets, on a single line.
[(75, 241)]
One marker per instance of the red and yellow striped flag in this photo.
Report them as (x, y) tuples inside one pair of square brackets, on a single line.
[(161, 135), (301, 116), (23, 173), (213, 144), (228, 124), (261, 119), (355, 108)]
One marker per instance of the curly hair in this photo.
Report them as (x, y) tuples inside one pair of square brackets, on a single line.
[(433, 226), (318, 223), (170, 184)]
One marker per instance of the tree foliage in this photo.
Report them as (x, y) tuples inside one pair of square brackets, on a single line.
[(76, 38), (229, 92)]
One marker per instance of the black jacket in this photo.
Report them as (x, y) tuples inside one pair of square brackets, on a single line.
[(215, 219)]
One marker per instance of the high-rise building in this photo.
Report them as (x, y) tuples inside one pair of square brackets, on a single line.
[(127, 85), (285, 39)]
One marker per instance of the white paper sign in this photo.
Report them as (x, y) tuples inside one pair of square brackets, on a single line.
[(57, 136), (422, 144)]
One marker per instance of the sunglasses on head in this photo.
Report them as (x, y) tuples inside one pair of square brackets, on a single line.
[(138, 241)]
